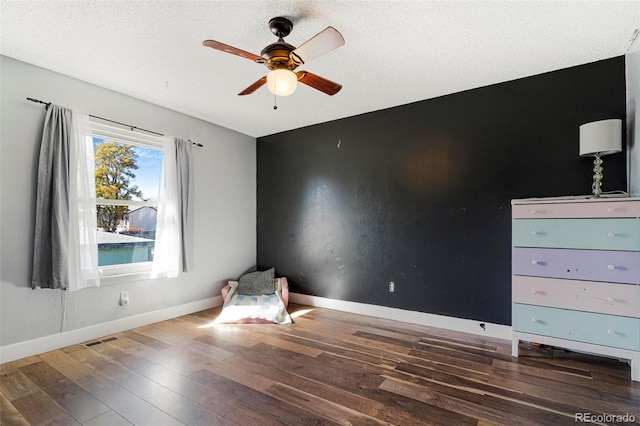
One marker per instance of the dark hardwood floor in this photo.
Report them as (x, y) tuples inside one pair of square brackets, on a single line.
[(329, 367)]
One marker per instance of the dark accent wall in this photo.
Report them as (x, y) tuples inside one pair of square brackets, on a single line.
[(420, 194)]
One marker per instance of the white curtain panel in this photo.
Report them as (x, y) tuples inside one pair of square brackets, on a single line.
[(83, 247), (167, 259)]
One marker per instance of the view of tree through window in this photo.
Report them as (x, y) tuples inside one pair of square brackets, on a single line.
[(115, 165), (127, 183)]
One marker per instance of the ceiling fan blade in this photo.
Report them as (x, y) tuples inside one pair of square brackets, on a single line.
[(255, 86), (230, 49), (323, 42), (319, 83)]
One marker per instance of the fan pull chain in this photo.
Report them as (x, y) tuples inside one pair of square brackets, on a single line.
[(275, 101)]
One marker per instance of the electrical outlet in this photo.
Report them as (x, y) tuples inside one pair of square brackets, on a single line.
[(124, 298), (392, 286)]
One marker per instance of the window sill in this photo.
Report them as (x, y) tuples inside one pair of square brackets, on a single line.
[(124, 278), (122, 273)]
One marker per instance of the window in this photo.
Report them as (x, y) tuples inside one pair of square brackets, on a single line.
[(128, 167)]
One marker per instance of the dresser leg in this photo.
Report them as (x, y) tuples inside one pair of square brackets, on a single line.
[(635, 367), (514, 346)]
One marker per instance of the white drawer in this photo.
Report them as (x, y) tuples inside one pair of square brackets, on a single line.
[(588, 296)]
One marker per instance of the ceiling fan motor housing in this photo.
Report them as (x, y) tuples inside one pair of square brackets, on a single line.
[(276, 55)]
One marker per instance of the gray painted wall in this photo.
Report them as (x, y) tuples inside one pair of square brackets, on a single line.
[(225, 207), (632, 62)]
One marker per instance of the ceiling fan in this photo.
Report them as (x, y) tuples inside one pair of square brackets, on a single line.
[(282, 59)]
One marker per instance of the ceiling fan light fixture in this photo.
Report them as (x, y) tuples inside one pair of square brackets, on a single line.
[(282, 82)]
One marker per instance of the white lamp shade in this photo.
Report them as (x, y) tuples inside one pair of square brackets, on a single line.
[(601, 137), (282, 82)]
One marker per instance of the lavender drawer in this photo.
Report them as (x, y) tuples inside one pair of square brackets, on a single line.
[(590, 265), (588, 296)]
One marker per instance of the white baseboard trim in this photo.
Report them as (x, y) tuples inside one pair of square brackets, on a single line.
[(413, 317), (56, 341), (52, 342)]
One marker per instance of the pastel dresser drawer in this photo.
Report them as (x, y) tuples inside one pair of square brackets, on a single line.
[(610, 209), (602, 234), (598, 329), (604, 298), (592, 265)]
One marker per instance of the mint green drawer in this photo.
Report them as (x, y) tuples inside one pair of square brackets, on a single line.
[(588, 327), (600, 234)]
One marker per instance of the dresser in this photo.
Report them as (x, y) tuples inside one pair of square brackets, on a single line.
[(576, 275)]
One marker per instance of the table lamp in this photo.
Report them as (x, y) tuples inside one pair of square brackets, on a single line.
[(600, 138)]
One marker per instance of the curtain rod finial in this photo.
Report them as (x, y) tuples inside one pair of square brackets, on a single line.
[(38, 101)]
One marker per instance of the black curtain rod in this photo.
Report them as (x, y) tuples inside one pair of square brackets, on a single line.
[(112, 121)]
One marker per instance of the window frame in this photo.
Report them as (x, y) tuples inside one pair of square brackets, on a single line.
[(126, 136)]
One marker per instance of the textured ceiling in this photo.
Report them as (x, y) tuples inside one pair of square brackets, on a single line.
[(396, 52)]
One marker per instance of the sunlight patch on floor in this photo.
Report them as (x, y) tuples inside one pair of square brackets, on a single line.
[(209, 325), (293, 315), (300, 313)]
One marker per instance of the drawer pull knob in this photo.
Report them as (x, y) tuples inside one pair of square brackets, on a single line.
[(611, 267), (534, 262), (534, 211), (534, 291), (611, 210), (610, 299), (533, 320), (611, 234), (534, 233), (610, 331)]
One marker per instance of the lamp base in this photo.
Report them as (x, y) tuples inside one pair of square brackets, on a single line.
[(597, 176)]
